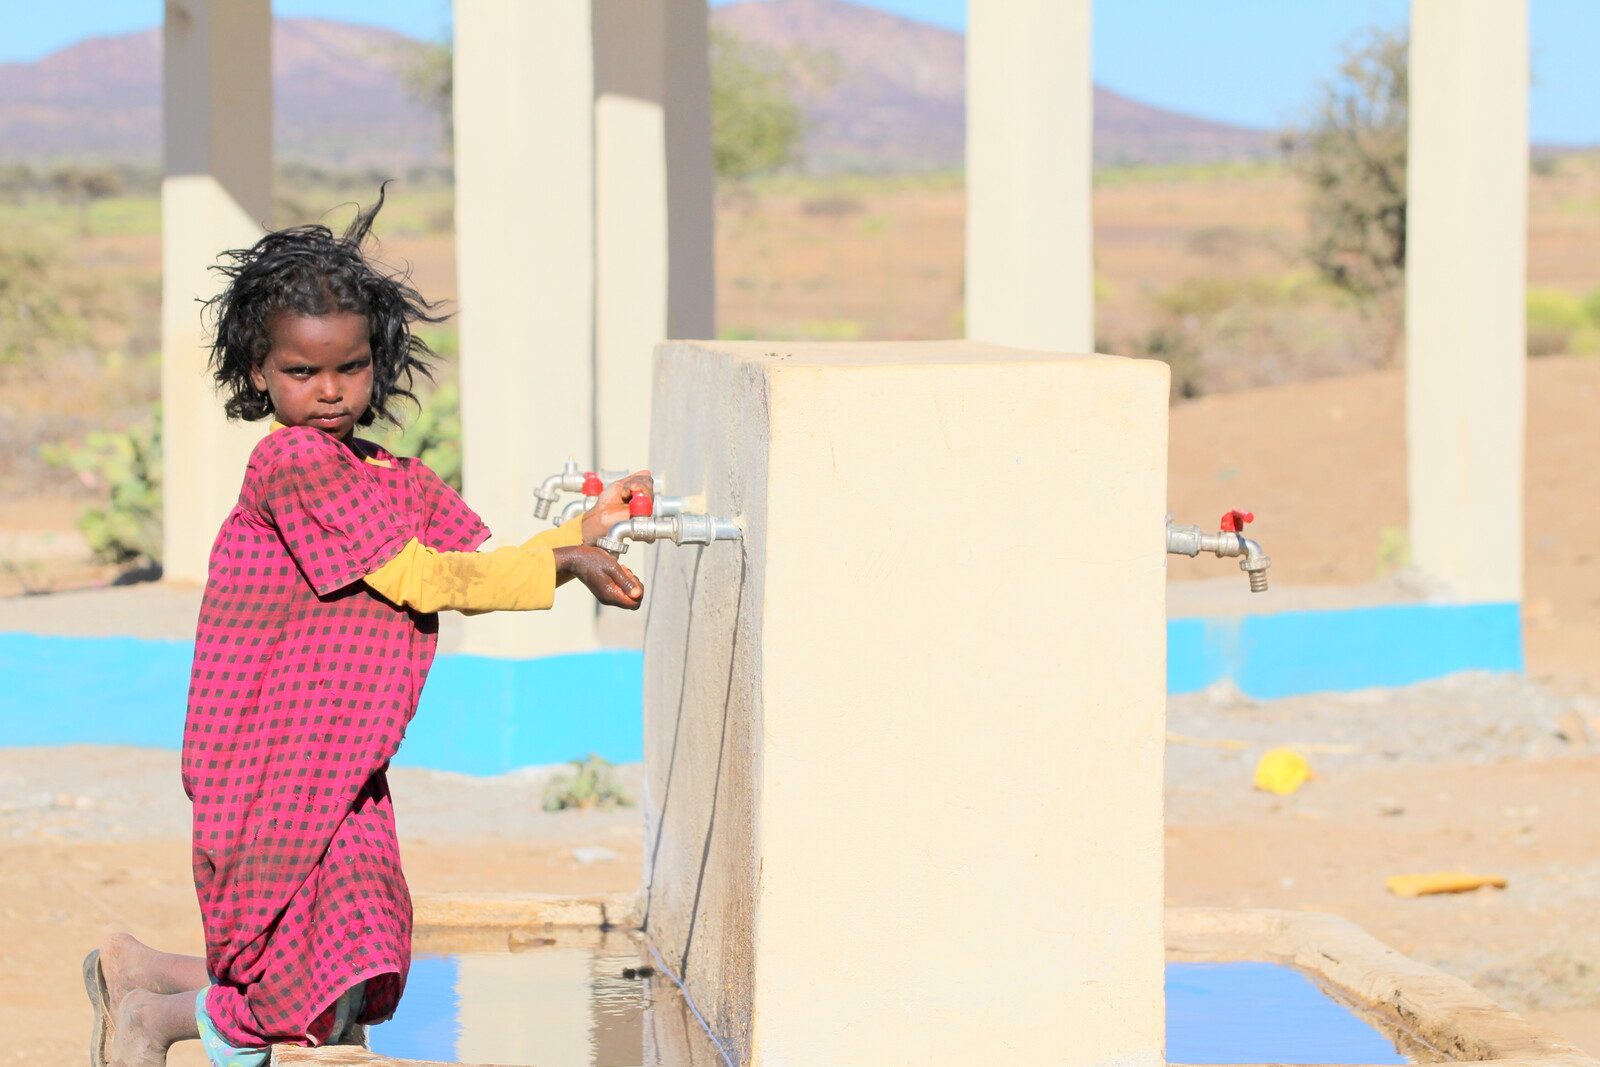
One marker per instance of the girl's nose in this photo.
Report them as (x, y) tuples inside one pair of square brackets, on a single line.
[(329, 388)]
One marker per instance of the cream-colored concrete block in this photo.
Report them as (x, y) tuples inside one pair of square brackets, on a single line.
[(882, 713), (216, 195), (1030, 147), (1466, 268)]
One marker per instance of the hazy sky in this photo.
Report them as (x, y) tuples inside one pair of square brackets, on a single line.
[(1250, 62)]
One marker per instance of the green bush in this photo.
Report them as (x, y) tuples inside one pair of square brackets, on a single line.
[(432, 435), (128, 464), (1556, 319), (757, 122), (1351, 156), (42, 305), (1591, 308), (592, 784)]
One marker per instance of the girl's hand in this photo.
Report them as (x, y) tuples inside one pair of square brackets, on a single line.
[(612, 505), (609, 581)]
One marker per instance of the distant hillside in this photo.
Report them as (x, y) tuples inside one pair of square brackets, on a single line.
[(338, 99), (897, 102)]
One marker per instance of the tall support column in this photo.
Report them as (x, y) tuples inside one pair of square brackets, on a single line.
[(583, 221), (691, 176), (1465, 288), (1030, 144), (524, 159), (216, 194), (653, 208)]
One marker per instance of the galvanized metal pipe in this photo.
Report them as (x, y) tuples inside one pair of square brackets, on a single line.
[(680, 529)]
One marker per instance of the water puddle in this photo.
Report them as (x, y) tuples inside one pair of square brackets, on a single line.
[(565, 998), (579, 998), (1263, 1013)]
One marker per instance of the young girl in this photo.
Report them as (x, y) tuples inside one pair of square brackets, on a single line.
[(315, 635)]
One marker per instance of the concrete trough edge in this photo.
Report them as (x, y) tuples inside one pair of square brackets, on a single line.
[(1444, 1012), (460, 910)]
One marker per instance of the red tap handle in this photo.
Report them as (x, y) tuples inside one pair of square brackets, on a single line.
[(1233, 521), (592, 485), (641, 505)]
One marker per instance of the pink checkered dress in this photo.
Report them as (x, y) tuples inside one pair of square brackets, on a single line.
[(303, 683)]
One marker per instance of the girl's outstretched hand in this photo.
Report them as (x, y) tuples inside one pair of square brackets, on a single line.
[(612, 505), (609, 581)]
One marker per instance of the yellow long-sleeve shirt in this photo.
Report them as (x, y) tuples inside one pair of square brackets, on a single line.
[(515, 578)]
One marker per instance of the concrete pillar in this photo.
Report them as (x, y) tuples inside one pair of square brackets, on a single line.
[(653, 206), (1030, 147), (1465, 285), (845, 713), (524, 161), (583, 222), (216, 194)]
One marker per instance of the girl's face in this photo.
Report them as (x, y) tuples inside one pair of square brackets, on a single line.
[(318, 371)]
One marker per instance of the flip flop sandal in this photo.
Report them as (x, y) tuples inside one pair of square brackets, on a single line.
[(94, 983)]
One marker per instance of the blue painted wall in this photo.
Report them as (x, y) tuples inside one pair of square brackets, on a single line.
[(478, 715), (1269, 656), (488, 716)]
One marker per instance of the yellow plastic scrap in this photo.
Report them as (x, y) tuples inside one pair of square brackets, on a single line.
[(1422, 885), (1282, 771)]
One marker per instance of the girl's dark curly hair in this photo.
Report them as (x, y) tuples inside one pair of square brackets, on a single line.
[(306, 270)]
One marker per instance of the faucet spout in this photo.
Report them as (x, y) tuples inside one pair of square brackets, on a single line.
[(569, 480), (1255, 564)]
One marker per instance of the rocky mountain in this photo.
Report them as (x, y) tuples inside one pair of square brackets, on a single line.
[(897, 95), (339, 99), (892, 98)]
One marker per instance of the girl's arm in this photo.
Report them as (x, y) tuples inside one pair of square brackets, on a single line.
[(516, 578), (523, 577)]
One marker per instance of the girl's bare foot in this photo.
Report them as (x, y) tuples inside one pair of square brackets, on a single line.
[(147, 1025), (136, 978), (130, 964)]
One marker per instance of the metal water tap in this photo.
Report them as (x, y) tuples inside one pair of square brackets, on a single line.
[(646, 526), (1190, 541), (592, 488), (594, 484), (569, 480)]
